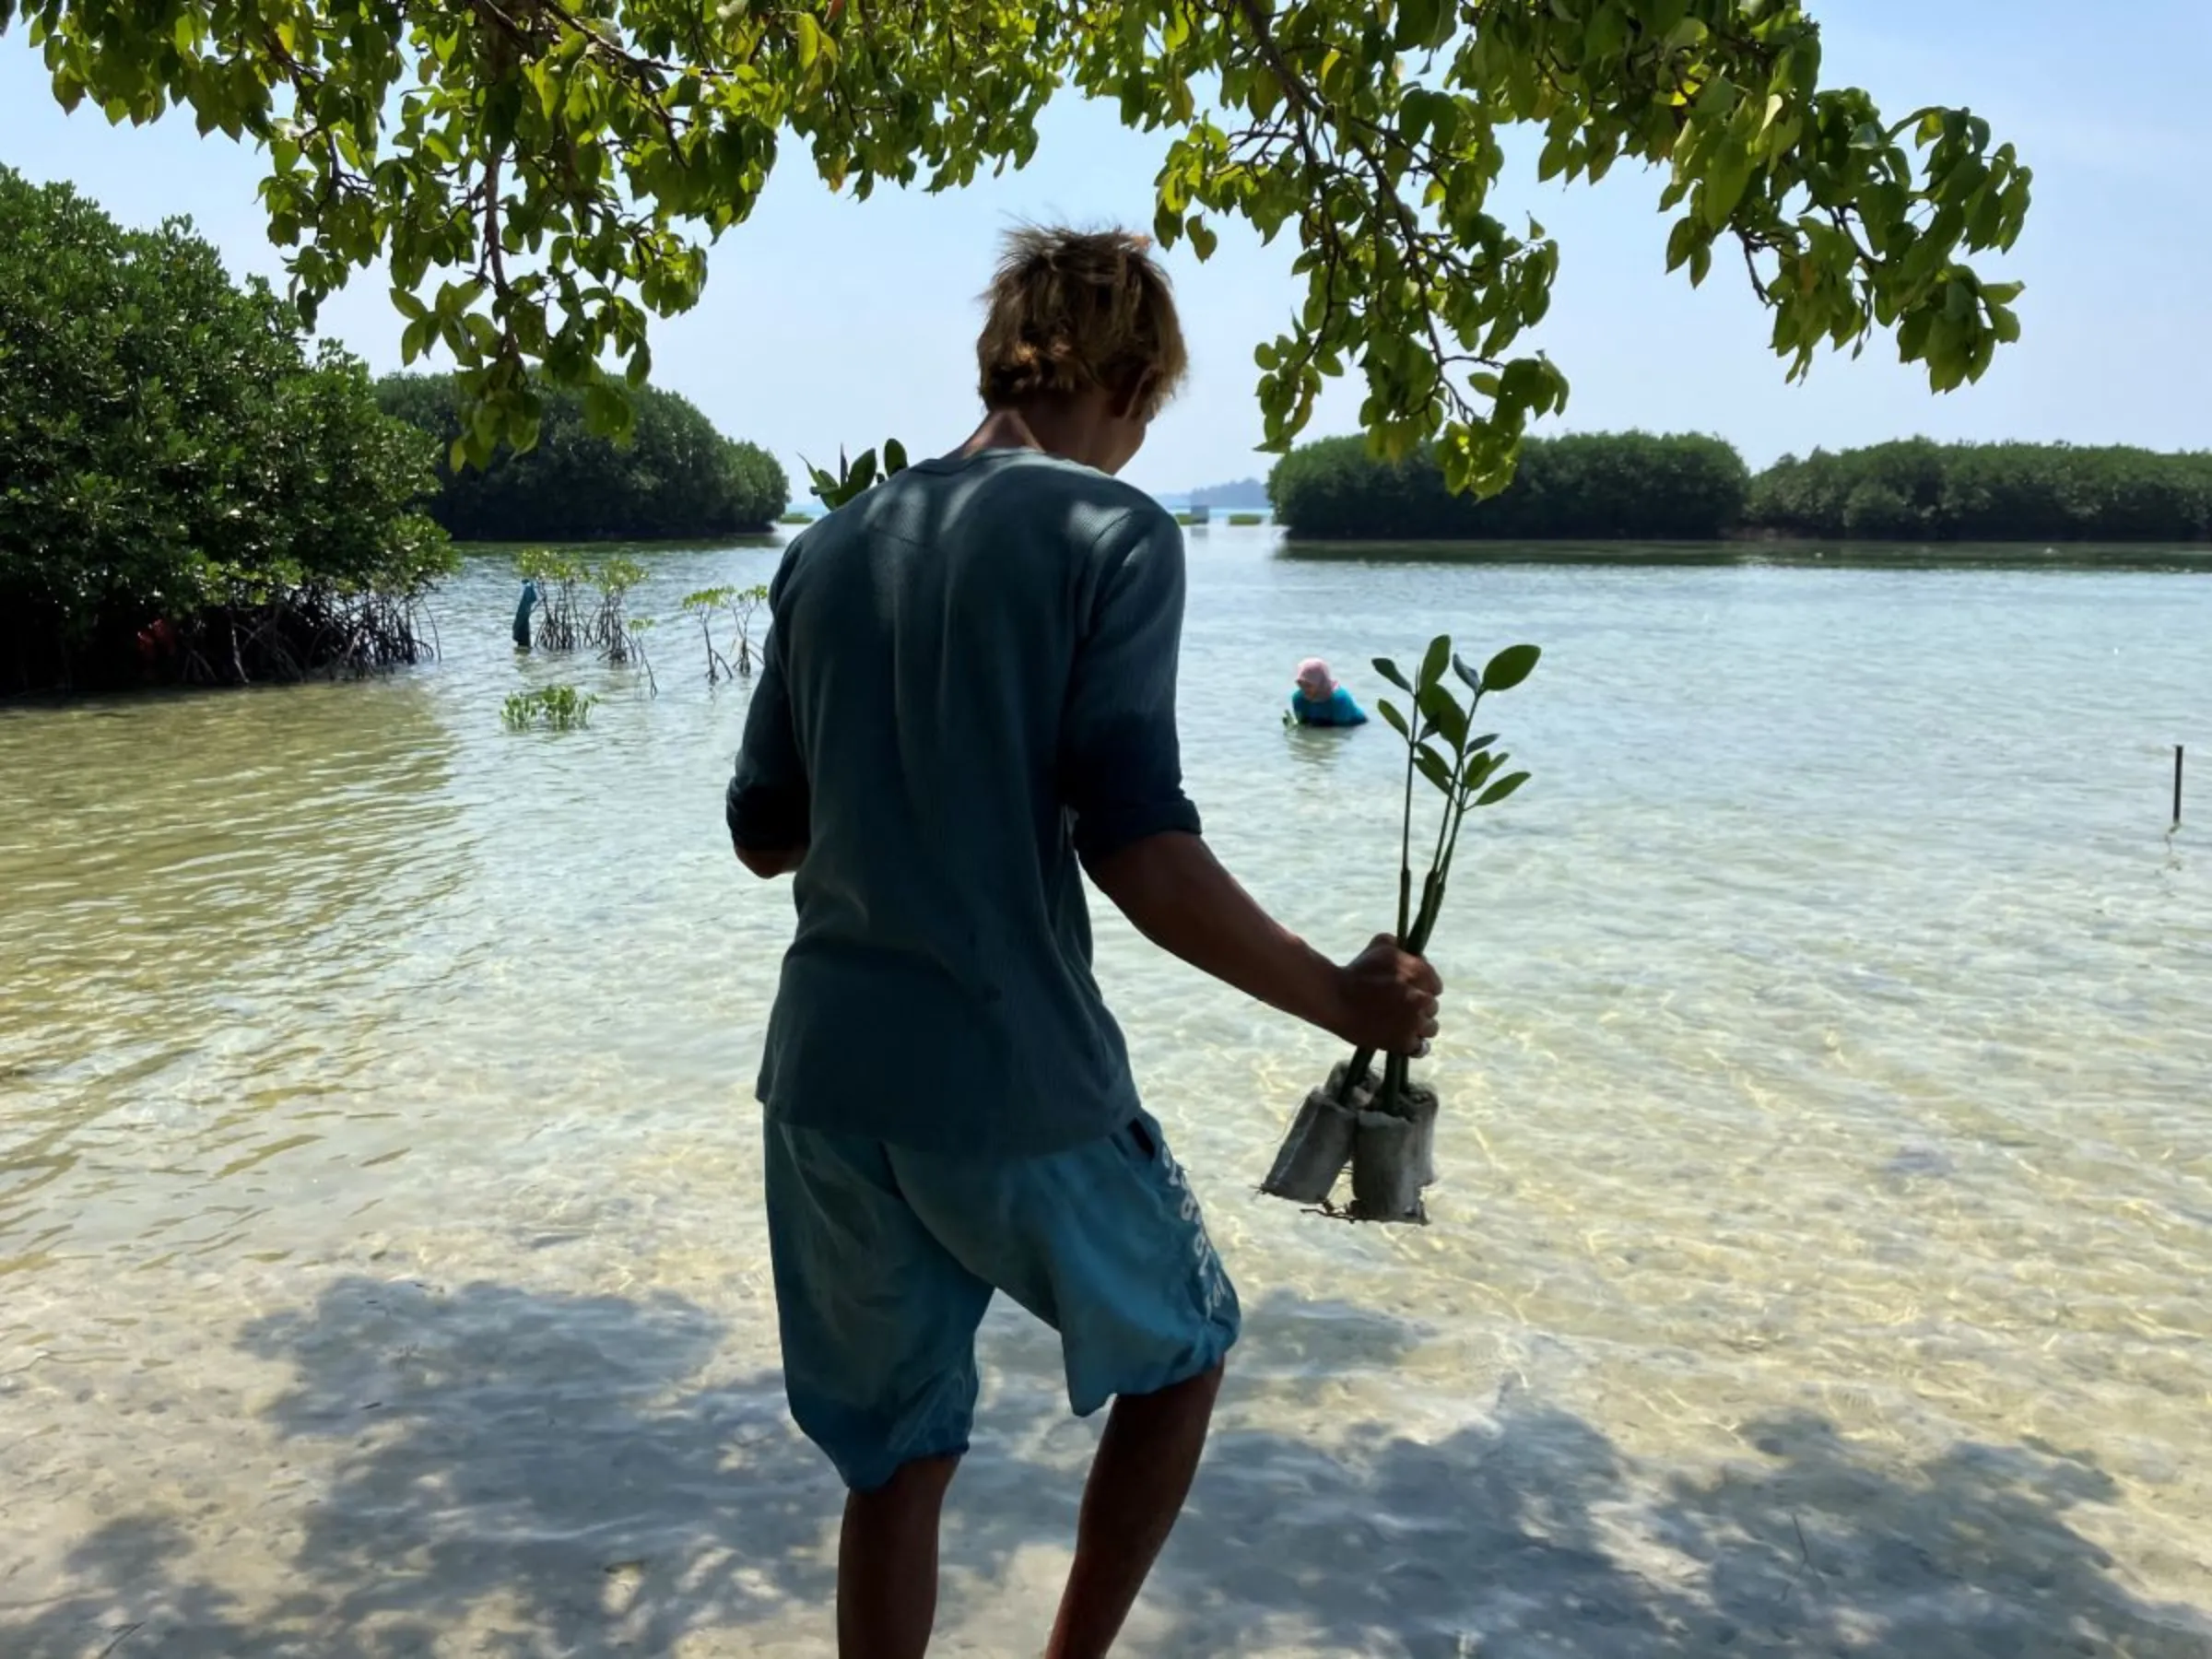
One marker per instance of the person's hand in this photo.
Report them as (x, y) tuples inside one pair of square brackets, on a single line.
[(1387, 1000)]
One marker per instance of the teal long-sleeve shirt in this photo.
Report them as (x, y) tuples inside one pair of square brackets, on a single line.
[(1339, 708), (969, 688)]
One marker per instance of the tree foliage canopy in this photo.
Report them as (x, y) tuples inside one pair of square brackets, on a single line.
[(674, 477), (1588, 486), (167, 447), (553, 164)]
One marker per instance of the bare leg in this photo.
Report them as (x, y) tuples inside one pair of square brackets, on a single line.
[(1143, 1473), (887, 1563)]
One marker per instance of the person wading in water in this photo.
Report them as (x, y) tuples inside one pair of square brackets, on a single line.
[(966, 698)]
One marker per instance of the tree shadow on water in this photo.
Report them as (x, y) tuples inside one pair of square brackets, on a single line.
[(507, 1472), (1532, 1535), (561, 1474)]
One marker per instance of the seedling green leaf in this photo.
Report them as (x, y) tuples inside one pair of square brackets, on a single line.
[(1443, 715), (1436, 662), (1463, 778), (1510, 667), (1434, 767)]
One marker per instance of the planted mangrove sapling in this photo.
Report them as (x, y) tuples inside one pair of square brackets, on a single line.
[(557, 708), (702, 605), (744, 604), (741, 605), (1384, 1127), (556, 578)]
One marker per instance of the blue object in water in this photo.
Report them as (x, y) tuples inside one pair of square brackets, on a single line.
[(1337, 709), (522, 615)]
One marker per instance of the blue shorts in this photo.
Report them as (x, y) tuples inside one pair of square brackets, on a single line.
[(885, 1258)]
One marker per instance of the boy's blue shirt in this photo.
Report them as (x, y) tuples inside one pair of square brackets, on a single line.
[(969, 686)]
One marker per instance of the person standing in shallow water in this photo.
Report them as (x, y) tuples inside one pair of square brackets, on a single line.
[(967, 700), (1317, 700)]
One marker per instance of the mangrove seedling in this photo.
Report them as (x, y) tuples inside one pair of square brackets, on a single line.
[(611, 631), (556, 578), (741, 605), (744, 606), (607, 631), (1385, 1127), (556, 708), (702, 605), (853, 477), (637, 628)]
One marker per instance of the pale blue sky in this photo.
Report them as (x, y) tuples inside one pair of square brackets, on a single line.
[(828, 321)]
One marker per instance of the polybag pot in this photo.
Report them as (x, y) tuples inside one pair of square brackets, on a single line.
[(1318, 1146), (1394, 1157)]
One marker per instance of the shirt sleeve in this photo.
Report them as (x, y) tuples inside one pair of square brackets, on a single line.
[(1121, 762), (1348, 712), (767, 803)]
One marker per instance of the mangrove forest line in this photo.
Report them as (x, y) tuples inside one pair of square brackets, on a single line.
[(1638, 486), (194, 493), (676, 478), (186, 492)]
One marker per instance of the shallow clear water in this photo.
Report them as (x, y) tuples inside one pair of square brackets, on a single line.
[(1821, 1264)]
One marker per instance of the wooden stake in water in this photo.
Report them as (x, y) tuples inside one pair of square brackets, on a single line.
[(2177, 786)]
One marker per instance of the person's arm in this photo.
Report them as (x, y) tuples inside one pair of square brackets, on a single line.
[(767, 803), (1138, 834), (1179, 895), (1348, 712), (1175, 891)]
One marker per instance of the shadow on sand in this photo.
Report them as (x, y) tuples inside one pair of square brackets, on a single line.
[(569, 1475)]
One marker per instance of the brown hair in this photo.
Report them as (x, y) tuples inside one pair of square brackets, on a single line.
[(1073, 310)]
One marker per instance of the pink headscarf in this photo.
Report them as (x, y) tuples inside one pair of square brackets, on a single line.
[(1315, 680)]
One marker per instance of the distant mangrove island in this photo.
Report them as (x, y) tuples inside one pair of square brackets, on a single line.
[(1646, 487)]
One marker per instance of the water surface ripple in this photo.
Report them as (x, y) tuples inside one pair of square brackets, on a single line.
[(1821, 1265)]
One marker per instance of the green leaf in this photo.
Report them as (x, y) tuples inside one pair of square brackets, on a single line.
[(894, 456), (1391, 713), (1420, 22), (1503, 788), (1391, 672), (1443, 713), (1510, 667), (1468, 677), (1726, 179), (1434, 767), (1436, 662)]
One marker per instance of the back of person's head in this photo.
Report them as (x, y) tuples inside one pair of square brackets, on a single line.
[(1075, 311)]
